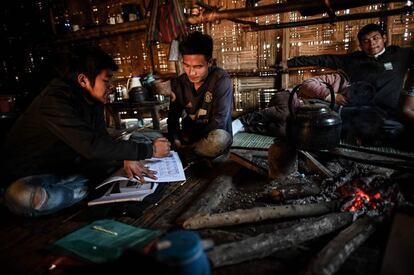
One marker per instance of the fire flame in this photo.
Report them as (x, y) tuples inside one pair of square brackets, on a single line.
[(363, 199)]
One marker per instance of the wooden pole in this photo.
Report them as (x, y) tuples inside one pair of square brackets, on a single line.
[(214, 15), (328, 20), (266, 244)]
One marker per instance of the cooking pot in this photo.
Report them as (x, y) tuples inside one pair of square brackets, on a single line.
[(314, 125)]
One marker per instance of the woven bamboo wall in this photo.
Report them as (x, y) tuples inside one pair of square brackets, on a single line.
[(238, 50)]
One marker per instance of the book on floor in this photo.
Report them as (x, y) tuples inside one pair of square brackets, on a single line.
[(126, 190)]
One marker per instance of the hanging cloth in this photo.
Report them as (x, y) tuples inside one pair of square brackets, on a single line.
[(167, 21)]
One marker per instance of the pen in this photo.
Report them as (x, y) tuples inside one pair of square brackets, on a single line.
[(100, 228)]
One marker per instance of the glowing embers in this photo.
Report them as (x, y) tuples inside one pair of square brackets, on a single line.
[(361, 200)]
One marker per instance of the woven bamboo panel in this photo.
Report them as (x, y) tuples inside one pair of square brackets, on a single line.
[(129, 52), (339, 38), (238, 50), (401, 29), (252, 93)]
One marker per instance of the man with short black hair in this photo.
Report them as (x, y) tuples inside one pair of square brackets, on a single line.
[(204, 94), (380, 67), (59, 146), (383, 67)]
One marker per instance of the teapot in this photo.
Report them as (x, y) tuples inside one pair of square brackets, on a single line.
[(314, 125), (136, 92)]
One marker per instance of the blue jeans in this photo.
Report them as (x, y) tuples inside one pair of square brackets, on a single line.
[(44, 194)]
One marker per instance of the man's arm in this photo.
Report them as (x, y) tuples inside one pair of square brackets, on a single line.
[(222, 105), (174, 113), (64, 121), (324, 61)]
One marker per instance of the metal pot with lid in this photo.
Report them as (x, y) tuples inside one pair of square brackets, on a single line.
[(314, 125)]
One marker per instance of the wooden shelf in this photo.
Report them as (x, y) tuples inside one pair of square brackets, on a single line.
[(103, 31), (261, 73)]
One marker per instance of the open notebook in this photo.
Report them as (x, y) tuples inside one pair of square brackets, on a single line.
[(169, 169)]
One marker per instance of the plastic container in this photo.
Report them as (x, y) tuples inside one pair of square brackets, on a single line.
[(182, 251)]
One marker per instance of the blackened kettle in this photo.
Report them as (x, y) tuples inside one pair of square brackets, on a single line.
[(314, 125)]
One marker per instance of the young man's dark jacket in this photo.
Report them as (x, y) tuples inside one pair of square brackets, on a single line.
[(215, 96), (386, 72), (61, 131)]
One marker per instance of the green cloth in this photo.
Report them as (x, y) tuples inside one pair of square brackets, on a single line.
[(99, 246)]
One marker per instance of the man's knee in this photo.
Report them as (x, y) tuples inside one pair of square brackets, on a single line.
[(44, 194), (24, 199), (215, 144)]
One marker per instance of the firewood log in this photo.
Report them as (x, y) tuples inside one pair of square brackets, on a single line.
[(333, 255), (294, 191), (257, 214), (266, 244), (210, 198)]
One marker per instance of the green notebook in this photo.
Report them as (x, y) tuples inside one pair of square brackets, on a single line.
[(105, 240)]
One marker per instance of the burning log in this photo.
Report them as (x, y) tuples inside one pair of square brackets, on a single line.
[(210, 198), (379, 173), (332, 256), (294, 191), (315, 165), (257, 214), (266, 244)]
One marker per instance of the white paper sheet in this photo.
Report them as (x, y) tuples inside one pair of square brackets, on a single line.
[(169, 169)]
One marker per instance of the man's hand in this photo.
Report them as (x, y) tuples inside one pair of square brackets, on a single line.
[(161, 147), (135, 168), (341, 99)]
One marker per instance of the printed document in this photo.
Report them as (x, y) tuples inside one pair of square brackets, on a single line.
[(169, 169)]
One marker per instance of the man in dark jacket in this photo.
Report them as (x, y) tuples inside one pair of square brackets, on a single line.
[(383, 68), (60, 145), (205, 95)]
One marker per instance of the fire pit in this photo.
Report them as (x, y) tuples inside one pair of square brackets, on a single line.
[(323, 219)]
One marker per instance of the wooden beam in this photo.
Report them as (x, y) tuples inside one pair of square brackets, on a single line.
[(328, 20), (214, 15)]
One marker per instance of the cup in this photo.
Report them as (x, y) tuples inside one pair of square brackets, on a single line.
[(119, 19), (111, 20), (133, 82)]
